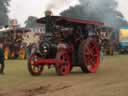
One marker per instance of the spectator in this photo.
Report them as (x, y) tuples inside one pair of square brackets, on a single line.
[(1, 59)]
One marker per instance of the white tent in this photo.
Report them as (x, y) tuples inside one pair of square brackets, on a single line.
[(4, 29)]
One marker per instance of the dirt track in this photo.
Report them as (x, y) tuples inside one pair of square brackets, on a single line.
[(110, 80)]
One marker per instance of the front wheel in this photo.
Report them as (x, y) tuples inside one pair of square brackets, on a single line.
[(34, 69), (65, 67), (89, 56)]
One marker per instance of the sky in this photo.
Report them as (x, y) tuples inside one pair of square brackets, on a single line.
[(123, 7), (21, 9)]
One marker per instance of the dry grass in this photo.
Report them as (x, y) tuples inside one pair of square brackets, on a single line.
[(110, 80)]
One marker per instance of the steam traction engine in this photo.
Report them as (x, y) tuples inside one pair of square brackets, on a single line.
[(67, 43), (12, 42)]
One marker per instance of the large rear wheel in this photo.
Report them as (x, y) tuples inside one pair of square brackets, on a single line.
[(64, 67), (34, 69), (89, 55)]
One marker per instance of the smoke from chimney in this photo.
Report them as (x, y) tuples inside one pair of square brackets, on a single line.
[(100, 10), (55, 4), (58, 5)]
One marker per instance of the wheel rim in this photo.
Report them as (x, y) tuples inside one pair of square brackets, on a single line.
[(92, 56), (64, 68), (35, 68)]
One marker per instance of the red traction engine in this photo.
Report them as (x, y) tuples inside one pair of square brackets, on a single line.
[(67, 43)]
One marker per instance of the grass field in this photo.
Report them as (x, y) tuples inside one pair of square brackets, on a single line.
[(110, 80)]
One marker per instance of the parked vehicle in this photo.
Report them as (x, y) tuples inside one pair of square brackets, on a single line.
[(12, 42), (123, 40), (107, 40)]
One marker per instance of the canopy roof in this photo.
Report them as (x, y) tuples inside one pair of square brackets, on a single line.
[(60, 20)]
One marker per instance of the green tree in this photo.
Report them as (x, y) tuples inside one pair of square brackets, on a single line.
[(31, 22), (4, 4)]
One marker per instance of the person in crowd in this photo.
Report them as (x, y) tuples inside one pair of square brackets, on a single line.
[(2, 64)]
